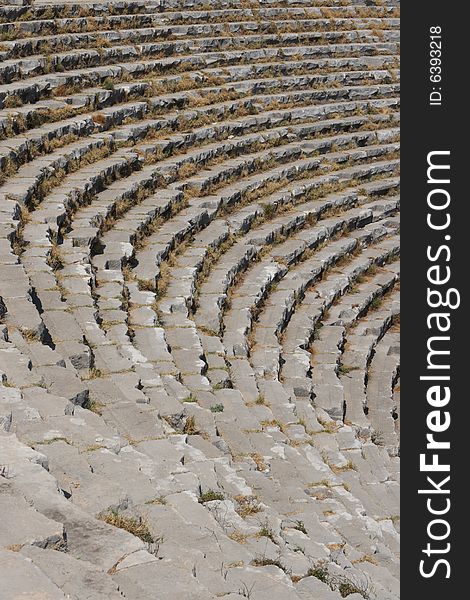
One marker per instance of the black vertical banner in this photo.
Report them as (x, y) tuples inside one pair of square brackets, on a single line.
[(435, 236)]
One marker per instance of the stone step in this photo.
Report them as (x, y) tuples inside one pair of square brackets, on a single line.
[(36, 88), (240, 15), (147, 40)]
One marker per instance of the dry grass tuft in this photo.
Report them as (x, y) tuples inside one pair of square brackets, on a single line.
[(135, 526)]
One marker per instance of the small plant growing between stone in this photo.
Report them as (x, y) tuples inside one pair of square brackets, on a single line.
[(158, 500), (376, 302), (12, 101), (31, 335), (209, 496), (99, 118), (94, 373), (259, 461), (238, 536), (217, 408), (349, 466), (346, 586), (95, 406), (300, 526), (265, 562), (268, 211), (135, 526), (190, 427), (108, 85), (343, 584), (247, 505), (266, 532), (320, 572)]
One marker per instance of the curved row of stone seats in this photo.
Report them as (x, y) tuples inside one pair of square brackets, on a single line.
[(41, 8), (301, 328), (356, 304), (34, 235), (212, 356), (382, 249), (253, 183), (14, 68), (147, 44), (236, 21), (267, 356), (17, 69), (221, 171), (22, 119), (35, 142), (247, 298), (44, 80), (24, 198), (357, 354), (193, 11), (35, 179), (141, 176), (230, 17), (58, 217), (19, 119), (40, 87), (203, 93), (32, 144), (34, 90), (382, 375), (142, 316), (182, 285), (40, 141), (208, 309), (327, 361), (200, 85), (39, 263), (267, 101), (290, 227)]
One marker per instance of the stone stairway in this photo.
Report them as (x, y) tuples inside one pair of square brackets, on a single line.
[(199, 299)]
